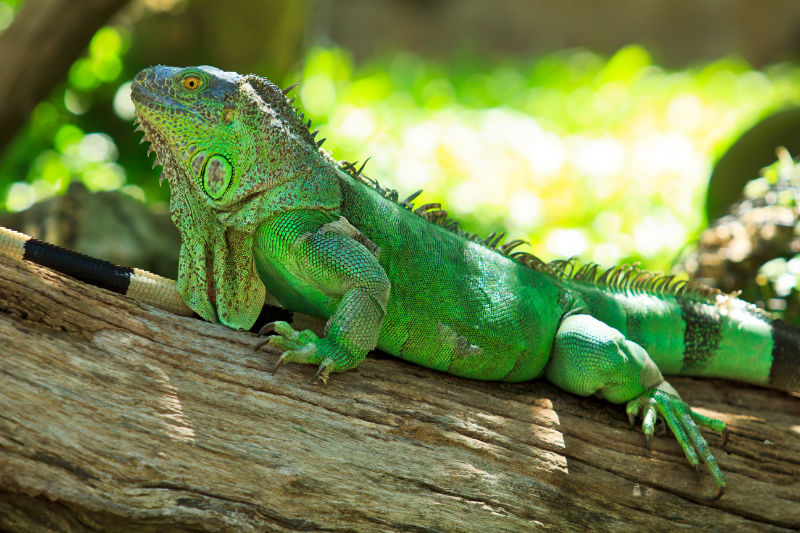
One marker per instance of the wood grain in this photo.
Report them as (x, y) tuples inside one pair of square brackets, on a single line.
[(119, 417)]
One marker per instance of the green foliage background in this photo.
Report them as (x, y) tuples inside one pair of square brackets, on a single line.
[(581, 154)]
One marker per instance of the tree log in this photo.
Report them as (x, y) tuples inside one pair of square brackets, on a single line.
[(119, 417)]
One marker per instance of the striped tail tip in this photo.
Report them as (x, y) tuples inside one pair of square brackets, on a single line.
[(785, 372)]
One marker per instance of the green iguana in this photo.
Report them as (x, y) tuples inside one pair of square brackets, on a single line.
[(266, 215)]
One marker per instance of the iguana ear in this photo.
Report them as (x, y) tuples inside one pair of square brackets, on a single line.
[(240, 293)]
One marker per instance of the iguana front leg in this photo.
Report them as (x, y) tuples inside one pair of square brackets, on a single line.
[(336, 268), (590, 357)]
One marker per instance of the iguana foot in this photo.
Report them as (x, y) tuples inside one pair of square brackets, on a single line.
[(664, 400), (304, 347)]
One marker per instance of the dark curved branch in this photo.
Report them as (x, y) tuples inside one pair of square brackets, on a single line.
[(36, 51)]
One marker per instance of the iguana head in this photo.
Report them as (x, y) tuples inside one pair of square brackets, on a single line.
[(186, 114), (228, 145), (211, 128)]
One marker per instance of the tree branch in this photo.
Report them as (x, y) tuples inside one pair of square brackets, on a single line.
[(36, 51), (118, 416)]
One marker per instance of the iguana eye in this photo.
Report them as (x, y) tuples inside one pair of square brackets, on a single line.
[(191, 82), (217, 176)]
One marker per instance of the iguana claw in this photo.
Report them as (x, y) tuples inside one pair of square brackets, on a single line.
[(322, 372), (261, 345), (266, 328), (663, 400), (278, 364), (303, 347)]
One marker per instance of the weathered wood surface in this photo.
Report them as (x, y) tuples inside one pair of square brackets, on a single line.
[(119, 417)]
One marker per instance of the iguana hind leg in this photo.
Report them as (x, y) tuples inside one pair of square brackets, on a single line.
[(590, 357)]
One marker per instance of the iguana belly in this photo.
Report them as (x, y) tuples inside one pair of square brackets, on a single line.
[(471, 316)]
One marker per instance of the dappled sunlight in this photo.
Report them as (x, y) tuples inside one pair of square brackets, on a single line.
[(171, 408), (642, 491), (152, 392), (468, 470), (543, 436), (551, 436)]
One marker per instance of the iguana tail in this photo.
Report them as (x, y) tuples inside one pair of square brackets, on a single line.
[(697, 331), (135, 283), (141, 285), (785, 371), (728, 338)]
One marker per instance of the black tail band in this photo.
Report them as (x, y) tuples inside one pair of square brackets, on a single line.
[(785, 371), (82, 267)]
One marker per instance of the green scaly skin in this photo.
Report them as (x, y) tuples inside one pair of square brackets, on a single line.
[(265, 213)]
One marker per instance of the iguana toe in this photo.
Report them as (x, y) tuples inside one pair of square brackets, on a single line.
[(683, 422), (264, 344), (278, 328), (306, 348), (632, 409)]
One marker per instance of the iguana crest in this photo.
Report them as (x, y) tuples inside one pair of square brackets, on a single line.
[(209, 148)]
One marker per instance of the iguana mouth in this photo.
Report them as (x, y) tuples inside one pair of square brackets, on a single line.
[(158, 102)]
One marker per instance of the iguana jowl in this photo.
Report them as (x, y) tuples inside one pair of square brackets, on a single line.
[(265, 213)]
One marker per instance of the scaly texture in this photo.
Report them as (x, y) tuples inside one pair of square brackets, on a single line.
[(139, 284), (262, 210)]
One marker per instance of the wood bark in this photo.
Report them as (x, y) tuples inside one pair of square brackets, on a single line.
[(36, 51), (118, 417)]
